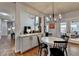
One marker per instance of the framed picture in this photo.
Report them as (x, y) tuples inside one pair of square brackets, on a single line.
[(51, 25)]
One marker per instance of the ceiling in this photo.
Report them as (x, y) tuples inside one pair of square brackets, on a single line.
[(9, 8), (42, 7), (57, 7)]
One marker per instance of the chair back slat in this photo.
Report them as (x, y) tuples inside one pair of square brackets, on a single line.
[(61, 44)]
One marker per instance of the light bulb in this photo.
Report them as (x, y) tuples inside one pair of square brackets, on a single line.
[(60, 16), (55, 19), (50, 16)]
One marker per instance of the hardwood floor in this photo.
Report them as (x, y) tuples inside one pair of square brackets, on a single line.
[(73, 50), (7, 48), (32, 52)]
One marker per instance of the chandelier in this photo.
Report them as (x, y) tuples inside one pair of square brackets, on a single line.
[(56, 18), (53, 16)]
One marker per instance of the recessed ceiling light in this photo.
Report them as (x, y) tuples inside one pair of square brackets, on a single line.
[(6, 20), (9, 29), (5, 14)]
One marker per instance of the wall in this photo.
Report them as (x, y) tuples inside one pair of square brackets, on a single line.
[(18, 30), (0, 28), (19, 26), (3, 28), (67, 17), (26, 20)]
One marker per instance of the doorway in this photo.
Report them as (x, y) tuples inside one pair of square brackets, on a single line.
[(7, 29)]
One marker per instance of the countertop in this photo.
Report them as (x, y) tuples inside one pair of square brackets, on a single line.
[(31, 34)]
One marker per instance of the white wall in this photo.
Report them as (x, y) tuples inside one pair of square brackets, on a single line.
[(26, 20), (67, 17), (71, 16), (19, 8), (0, 28), (4, 28)]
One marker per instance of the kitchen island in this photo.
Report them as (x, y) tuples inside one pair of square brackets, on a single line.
[(27, 41)]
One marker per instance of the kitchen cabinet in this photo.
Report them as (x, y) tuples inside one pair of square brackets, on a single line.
[(28, 41), (34, 41), (26, 44)]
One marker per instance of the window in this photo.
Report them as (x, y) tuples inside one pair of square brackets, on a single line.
[(63, 27), (47, 21), (74, 26), (37, 23)]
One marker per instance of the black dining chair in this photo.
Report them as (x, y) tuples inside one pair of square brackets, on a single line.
[(66, 38), (41, 46), (59, 47), (62, 44), (46, 34), (56, 52)]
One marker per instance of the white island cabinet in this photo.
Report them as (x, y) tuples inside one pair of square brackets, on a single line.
[(28, 41), (34, 41)]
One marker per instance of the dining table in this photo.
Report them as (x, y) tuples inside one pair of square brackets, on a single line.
[(50, 41)]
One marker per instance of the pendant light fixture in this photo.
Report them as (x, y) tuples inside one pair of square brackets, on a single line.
[(52, 16)]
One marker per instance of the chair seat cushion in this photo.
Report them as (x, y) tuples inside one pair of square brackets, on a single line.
[(56, 52)]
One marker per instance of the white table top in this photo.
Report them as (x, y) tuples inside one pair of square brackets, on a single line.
[(50, 40)]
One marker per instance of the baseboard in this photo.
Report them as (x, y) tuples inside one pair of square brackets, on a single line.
[(17, 51)]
